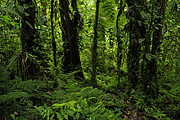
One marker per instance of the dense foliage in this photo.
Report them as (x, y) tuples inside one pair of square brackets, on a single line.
[(89, 60)]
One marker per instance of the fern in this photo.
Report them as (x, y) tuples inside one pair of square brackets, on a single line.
[(4, 77), (20, 96), (176, 88), (82, 103), (108, 10), (9, 97), (29, 85)]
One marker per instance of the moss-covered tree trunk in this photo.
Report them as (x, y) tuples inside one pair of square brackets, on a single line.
[(160, 6), (119, 41), (30, 56), (71, 60), (53, 34), (136, 31), (94, 48)]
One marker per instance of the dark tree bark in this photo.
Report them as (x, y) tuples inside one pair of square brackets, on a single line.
[(52, 33), (160, 6), (146, 48), (94, 47), (30, 42), (136, 31), (71, 60)]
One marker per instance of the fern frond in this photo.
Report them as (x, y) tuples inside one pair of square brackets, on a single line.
[(12, 96)]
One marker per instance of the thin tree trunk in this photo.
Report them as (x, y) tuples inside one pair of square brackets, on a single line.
[(94, 48), (120, 42), (145, 74), (160, 6), (52, 33)]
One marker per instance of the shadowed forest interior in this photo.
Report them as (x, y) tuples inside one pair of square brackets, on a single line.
[(89, 60)]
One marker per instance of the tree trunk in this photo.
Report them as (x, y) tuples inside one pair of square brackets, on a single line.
[(94, 48), (136, 31), (120, 42), (30, 42), (156, 41), (71, 60), (52, 33)]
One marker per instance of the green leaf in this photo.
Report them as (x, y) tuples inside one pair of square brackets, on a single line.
[(13, 96), (14, 24), (59, 105), (6, 18), (59, 116), (71, 103), (77, 115), (140, 40), (71, 113), (26, 14), (26, 6), (176, 87), (20, 9), (65, 116), (10, 4), (78, 109), (148, 56), (12, 116), (62, 112)]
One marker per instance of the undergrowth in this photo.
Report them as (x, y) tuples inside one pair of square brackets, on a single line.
[(39, 100)]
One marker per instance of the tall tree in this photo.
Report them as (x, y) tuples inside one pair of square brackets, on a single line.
[(160, 6), (137, 31), (94, 47), (146, 45), (70, 21), (30, 41), (52, 33), (119, 41)]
